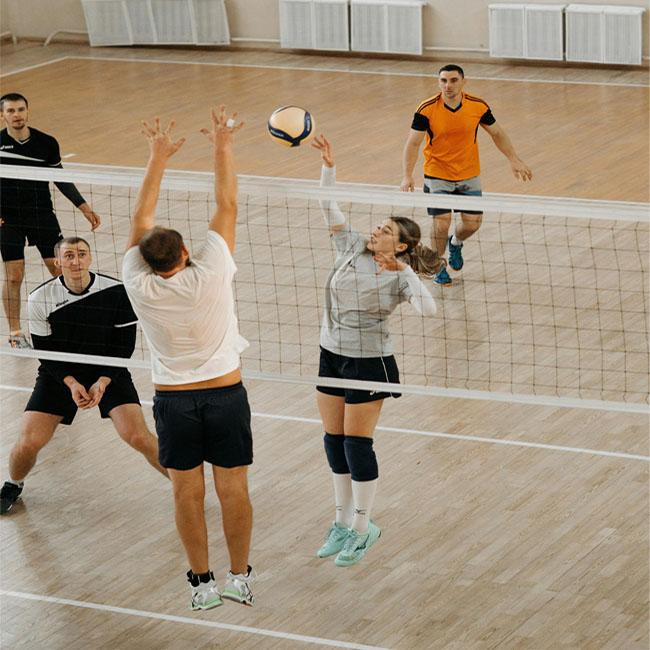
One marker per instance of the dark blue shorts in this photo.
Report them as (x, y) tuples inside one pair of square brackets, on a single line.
[(211, 425), (382, 369), (53, 397), (39, 229)]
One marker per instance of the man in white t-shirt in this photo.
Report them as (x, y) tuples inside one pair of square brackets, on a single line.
[(186, 311)]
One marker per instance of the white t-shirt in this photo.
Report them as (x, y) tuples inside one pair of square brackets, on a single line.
[(189, 319)]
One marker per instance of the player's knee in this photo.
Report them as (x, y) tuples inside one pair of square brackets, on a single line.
[(187, 492), (31, 442), (14, 276), (361, 458), (335, 452), (139, 439)]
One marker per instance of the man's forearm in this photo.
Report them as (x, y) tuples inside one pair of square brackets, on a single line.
[(225, 190), (409, 158), (145, 206), (504, 145)]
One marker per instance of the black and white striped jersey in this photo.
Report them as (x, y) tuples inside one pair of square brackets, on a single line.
[(98, 321)]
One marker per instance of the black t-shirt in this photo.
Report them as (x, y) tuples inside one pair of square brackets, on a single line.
[(25, 197), (98, 321)]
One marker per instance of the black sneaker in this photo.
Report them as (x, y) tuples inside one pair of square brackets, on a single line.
[(9, 494)]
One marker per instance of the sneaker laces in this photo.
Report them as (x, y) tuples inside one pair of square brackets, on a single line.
[(352, 542)]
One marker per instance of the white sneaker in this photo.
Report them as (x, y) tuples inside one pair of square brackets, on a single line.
[(238, 587), (205, 595)]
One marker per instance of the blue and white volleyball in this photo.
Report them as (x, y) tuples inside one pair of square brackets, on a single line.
[(291, 126)]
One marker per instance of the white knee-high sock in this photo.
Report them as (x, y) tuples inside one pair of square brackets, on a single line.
[(343, 499), (363, 494)]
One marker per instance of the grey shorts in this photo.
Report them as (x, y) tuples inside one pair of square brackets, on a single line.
[(468, 187)]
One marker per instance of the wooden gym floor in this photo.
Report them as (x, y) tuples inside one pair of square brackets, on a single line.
[(504, 526)]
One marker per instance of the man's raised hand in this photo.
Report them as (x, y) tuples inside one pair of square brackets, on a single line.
[(160, 140)]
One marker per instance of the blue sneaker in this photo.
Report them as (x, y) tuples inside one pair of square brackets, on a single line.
[(442, 277), (356, 545), (455, 256), (334, 540)]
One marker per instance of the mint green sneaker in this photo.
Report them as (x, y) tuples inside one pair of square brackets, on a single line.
[(334, 540), (356, 545), (238, 587)]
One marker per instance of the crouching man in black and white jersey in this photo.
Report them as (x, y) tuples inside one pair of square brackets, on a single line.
[(85, 313)]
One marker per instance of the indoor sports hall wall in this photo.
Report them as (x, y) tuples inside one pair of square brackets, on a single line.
[(461, 25)]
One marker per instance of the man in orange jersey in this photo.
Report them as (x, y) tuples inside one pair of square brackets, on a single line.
[(450, 121)]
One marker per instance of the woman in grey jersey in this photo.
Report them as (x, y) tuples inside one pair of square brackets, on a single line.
[(371, 276)]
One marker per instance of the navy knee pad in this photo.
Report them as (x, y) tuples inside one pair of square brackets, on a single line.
[(335, 453), (361, 458)]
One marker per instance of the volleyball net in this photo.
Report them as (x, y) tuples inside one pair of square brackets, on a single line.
[(550, 307)]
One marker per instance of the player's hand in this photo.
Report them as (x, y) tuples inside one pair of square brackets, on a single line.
[(388, 262), (407, 185), (96, 392), (222, 126), (79, 395), (521, 171), (93, 218), (161, 144), (322, 144)]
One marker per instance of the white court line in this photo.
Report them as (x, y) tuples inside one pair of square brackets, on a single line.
[(191, 621), (429, 434), (33, 67), (69, 155), (366, 72)]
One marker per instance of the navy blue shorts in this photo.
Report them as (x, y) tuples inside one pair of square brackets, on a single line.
[(53, 397), (39, 229), (210, 425), (382, 369)]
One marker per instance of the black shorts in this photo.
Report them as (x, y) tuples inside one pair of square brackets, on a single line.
[(39, 229), (211, 425), (382, 369), (53, 397)]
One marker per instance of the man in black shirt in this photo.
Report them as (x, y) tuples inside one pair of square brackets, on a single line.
[(85, 313), (26, 210)]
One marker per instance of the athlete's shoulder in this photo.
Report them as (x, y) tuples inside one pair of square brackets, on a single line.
[(430, 101), (48, 285), (475, 99), (108, 280)]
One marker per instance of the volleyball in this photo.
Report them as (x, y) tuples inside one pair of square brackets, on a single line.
[(291, 126)]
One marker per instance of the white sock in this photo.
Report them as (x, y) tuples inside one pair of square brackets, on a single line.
[(364, 497), (455, 241), (18, 483), (343, 499)]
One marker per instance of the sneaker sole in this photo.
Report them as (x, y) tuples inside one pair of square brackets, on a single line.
[(210, 605), (234, 599)]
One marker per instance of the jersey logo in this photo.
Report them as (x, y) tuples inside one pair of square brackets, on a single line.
[(58, 304), (7, 146)]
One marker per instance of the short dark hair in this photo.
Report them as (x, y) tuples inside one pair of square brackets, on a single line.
[(71, 241), (162, 249), (452, 67), (12, 97)]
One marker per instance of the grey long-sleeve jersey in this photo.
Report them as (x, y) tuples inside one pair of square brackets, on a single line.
[(359, 299)]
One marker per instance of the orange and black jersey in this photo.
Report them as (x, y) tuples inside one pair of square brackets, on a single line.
[(451, 150)]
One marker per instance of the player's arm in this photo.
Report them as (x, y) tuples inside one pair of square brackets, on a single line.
[(224, 219), (41, 333), (70, 191), (504, 145), (330, 210), (412, 150), (161, 149)]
